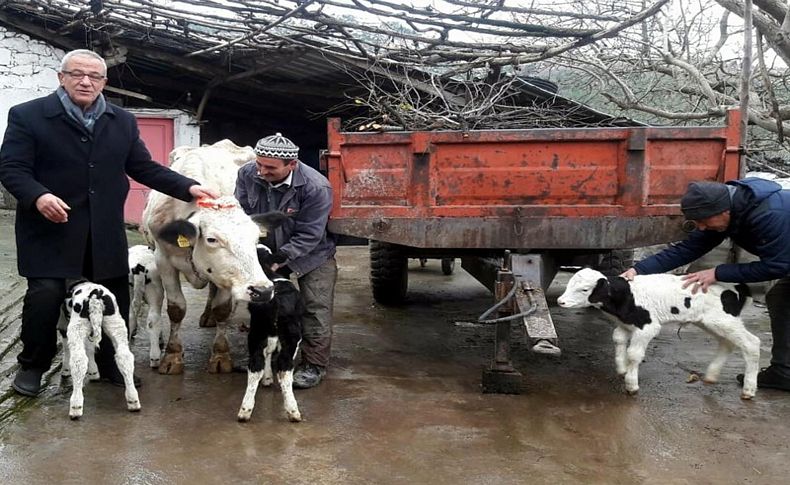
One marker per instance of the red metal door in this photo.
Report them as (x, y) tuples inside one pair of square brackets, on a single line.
[(157, 133)]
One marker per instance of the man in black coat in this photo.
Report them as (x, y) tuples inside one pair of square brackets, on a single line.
[(66, 157)]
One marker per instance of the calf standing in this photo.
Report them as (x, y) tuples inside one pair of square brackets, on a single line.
[(147, 291), (275, 331), (92, 308), (640, 307)]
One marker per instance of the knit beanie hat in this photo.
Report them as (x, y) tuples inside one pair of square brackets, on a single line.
[(277, 146), (705, 199)]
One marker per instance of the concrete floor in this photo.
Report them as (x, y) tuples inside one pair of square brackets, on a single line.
[(402, 404)]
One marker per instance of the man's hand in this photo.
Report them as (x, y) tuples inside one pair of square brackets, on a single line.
[(701, 280), (53, 208), (629, 274), (198, 191)]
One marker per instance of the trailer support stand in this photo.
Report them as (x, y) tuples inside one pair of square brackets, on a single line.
[(501, 377)]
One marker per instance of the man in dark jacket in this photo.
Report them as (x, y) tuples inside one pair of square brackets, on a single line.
[(66, 157), (277, 180), (755, 214)]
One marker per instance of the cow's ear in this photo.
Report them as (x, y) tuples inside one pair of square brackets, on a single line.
[(270, 220), (601, 291), (179, 233)]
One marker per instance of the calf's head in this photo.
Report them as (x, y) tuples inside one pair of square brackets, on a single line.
[(587, 287), (222, 240)]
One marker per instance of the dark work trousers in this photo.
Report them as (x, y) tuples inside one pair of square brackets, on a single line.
[(42, 308), (778, 302), (318, 292)]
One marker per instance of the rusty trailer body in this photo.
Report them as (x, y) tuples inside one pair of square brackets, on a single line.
[(513, 204)]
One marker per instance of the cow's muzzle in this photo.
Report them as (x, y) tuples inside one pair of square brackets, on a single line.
[(259, 294)]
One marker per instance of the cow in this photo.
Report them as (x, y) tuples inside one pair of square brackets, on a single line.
[(205, 241)]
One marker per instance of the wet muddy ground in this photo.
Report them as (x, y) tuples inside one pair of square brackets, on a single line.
[(402, 404)]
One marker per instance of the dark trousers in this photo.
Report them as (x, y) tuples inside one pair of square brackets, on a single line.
[(318, 293), (778, 302), (41, 310)]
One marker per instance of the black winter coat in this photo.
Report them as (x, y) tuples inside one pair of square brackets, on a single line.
[(46, 151)]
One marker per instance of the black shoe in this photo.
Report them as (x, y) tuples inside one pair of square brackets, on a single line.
[(308, 375), (28, 382), (768, 378), (114, 377)]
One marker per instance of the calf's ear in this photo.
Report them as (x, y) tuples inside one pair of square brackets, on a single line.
[(179, 233), (270, 220), (601, 291)]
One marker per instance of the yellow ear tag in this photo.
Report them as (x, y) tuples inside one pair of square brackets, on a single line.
[(183, 242), (262, 232)]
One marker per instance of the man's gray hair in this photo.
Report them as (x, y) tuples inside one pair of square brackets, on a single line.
[(82, 53)]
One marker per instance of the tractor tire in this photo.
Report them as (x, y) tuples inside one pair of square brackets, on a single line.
[(389, 275), (448, 266)]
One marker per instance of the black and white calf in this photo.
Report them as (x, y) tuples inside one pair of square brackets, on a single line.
[(91, 308), (275, 333), (147, 297), (641, 306)]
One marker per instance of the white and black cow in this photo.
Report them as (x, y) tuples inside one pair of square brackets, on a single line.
[(89, 309), (147, 297), (275, 333), (209, 240), (641, 306)]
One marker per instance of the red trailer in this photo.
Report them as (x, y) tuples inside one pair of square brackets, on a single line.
[(545, 195)]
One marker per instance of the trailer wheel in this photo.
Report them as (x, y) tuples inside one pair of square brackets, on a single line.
[(448, 266), (389, 276), (617, 260)]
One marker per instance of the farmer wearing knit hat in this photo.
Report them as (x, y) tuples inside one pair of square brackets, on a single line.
[(755, 214), (277, 180)]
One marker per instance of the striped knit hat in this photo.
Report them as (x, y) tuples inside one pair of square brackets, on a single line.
[(277, 146)]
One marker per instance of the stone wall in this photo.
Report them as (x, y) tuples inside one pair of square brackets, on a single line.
[(28, 69)]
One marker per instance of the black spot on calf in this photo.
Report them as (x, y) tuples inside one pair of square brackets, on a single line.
[(687, 302), (614, 293), (733, 303), (674, 310)]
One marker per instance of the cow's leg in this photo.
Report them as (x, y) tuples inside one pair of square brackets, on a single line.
[(78, 363), (733, 331), (154, 295), (115, 328), (620, 337), (248, 403), (65, 369), (271, 346), (221, 307), (640, 338), (173, 360), (207, 318)]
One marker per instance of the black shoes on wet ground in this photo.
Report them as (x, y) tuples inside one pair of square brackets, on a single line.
[(28, 382)]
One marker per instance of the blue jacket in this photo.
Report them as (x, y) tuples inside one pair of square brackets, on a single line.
[(759, 223), (303, 236)]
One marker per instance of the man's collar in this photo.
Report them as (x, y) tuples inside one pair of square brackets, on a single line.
[(285, 183)]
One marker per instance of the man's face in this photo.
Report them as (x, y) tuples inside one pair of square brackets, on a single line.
[(274, 170), (718, 223), (83, 79)]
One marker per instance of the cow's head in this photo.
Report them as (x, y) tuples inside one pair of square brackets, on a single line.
[(584, 289), (223, 239)]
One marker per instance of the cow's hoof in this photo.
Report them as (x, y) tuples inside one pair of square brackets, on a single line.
[(171, 364), (267, 381), (75, 413), (94, 376), (710, 380), (207, 320), (133, 406), (154, 363), (220, 364), (632, 392)]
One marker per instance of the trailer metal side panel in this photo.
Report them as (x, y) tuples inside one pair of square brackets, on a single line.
[(591, 188)]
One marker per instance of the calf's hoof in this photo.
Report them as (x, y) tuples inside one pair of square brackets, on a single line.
[(746, 396), (267, 381), (94, 376), (710, 380), (154, 363), (244, 415), (133, 406), (220, 364), (75, 413), (172, 364), (294, 417), (632, 392)]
